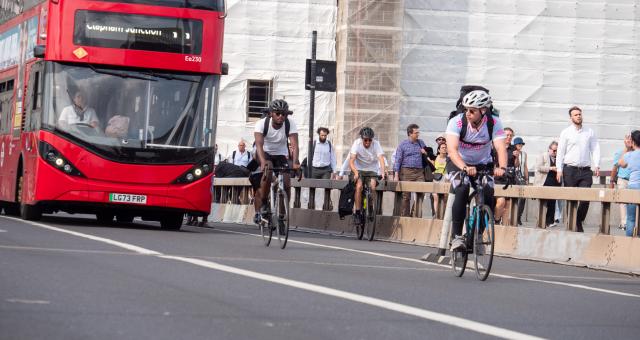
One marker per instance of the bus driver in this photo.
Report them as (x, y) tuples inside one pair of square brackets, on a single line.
[(78, 113)]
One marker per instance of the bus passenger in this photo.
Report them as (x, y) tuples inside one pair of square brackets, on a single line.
[(117, 127), (78, 113)]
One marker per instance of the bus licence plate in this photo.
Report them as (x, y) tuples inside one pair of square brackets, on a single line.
[(128, 198)]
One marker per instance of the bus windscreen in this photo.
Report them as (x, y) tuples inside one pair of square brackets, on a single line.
[(209, 5), (137, 32)]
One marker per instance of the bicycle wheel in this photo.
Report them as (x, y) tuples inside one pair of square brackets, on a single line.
[(484, 243), (459, 257), (281, 219), (266, 229), (459, 262), (359, 228), (370, 219), (360, 224)]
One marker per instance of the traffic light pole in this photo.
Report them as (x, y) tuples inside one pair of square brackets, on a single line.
[(312, 103)]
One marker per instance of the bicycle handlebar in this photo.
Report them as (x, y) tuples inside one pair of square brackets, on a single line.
[(509, 174), (283, 169)]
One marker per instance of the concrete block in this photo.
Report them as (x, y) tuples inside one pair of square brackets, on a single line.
[(598, 251), (506, 240), (625, 254), (217, 213), (557, 246)]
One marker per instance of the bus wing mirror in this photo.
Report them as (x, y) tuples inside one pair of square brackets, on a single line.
[(224, 69), (38, 51)]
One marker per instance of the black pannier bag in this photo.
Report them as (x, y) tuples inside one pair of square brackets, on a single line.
[(228, 170), (345, 203)]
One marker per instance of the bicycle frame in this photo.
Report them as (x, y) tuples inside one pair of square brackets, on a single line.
[(278, 203)]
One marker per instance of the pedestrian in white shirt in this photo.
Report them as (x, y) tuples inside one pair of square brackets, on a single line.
[(577, 148), (241, 156), (324, 156)]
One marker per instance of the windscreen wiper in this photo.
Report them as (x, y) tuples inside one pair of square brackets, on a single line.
[(120, 74), (169, 76)]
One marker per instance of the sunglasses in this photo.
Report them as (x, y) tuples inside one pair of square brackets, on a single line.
[(439, 139), (278, 113)]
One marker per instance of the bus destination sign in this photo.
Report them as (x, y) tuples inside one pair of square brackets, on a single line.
[(138, 32)]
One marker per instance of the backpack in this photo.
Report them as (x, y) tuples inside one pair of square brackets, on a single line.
[(464, 90), (346, 201), (233, 156), (228, 170)]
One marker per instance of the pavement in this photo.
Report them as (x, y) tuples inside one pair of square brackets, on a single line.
[(68, 277)]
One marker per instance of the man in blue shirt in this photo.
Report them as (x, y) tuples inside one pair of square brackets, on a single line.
[(408, 164)]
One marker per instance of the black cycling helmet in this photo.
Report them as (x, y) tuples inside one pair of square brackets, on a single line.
[(366, 132), (279, 105)]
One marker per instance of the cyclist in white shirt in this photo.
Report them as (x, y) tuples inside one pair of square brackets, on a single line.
[(271, 148), (366, 160)]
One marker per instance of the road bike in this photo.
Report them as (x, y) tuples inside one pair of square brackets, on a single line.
[(479, 235), (367, 225), (277, 216)]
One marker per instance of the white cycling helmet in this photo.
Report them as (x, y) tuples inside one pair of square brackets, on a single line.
[(477, 99)]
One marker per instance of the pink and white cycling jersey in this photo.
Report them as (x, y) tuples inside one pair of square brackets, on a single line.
[(477, 149)]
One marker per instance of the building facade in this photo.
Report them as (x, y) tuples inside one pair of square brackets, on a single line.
[(403, 61)]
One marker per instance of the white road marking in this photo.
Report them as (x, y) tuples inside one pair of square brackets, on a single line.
[(590, 278), (130, 247), (225, 258), (384, 304), (558, 283), (29, 302), (2, 231), (451, 320), (68, 250)]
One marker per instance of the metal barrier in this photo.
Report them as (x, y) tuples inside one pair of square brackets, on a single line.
[(236, 190)]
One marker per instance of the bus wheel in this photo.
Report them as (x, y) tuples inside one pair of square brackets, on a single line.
[(12, 209), (104, 218), (124, 218), (171, 222), (30, 212)]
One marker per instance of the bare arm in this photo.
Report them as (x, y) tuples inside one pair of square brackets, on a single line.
[(501, 151), (259, 138), (622, 163), (293, 138), (383, 170), (352, 165), (614, 175)]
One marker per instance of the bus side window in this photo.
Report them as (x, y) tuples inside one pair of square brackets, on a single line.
[(34, 101), (6, 100)]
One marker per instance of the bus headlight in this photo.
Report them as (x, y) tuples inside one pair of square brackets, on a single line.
[(197, 172), (55, 158)]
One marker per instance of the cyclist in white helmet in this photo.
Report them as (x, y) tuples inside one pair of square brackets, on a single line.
[(471, 153)]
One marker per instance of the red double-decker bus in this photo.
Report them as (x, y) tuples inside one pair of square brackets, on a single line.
[(108, 107)]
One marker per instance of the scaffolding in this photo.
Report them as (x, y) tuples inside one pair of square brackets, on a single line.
[(369, 55)]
